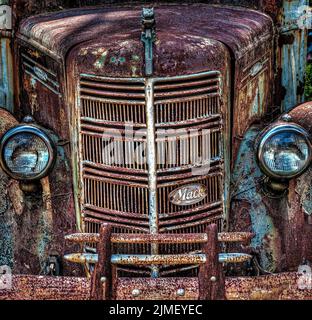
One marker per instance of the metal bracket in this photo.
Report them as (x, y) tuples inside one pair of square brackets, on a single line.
[(148, 38)]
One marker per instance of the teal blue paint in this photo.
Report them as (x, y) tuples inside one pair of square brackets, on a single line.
[(117, 61), (6, 76), (122, 60), (244, 187), (294, 55)]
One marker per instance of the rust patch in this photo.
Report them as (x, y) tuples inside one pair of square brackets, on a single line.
[(119, 26), (302, 115), (7, 121), (282, 286), (46, 288), (16, 196)]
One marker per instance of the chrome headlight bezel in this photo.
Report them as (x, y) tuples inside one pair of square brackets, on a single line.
[(37, 131), (268, 134)]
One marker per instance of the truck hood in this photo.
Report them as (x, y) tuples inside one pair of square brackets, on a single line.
[(190, 38)]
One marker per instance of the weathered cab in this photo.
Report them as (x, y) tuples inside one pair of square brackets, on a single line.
[(158, 145)]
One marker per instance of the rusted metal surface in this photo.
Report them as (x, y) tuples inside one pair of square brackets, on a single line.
[(143, 211), (42, 97), (282, 225), (44, 43), (161, 239), (30, 231), (302, 115), (7, 121), (254, 210), (102, 275), (11, 202), (25, 8), (298, 223), (165, 260), (47, 288), (105, 277), (43, 222), (243, 30), (284, 286), (210, 276), (158, 289), (48, 215), (248, 34), (168, 260), (272, 287), (134, 188), (244, 237)]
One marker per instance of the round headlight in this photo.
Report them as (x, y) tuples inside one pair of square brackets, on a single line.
[(27, 153), (285, 151)]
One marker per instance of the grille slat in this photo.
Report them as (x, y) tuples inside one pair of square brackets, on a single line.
[(187, 111)]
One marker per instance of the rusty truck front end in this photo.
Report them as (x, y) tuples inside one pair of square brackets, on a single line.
[(158, 147)]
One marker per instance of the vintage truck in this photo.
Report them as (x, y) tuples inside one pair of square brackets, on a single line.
[(155, 151)]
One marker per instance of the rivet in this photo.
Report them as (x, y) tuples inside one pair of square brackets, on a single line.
[(181, 292), (136, 292), (103, 279), (213, 279)]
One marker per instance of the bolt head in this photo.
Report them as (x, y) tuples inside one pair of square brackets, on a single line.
[(136, 293), (28, 119), (286, 117), (213, 279), (181, 292)]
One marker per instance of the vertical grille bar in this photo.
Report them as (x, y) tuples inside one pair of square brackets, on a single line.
[(152, 168)]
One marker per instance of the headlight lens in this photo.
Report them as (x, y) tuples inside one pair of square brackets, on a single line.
[(285, 151), (27, 153)]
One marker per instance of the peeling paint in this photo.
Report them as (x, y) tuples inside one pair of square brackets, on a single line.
[(246, 187), (293, 56), (6, 78)]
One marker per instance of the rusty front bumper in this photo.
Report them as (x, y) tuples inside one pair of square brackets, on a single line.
[(273, 287)]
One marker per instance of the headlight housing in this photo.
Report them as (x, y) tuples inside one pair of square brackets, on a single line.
[(27, 153), (284, 151)]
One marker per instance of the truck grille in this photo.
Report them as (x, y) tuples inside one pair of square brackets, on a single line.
[(113, 135)]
